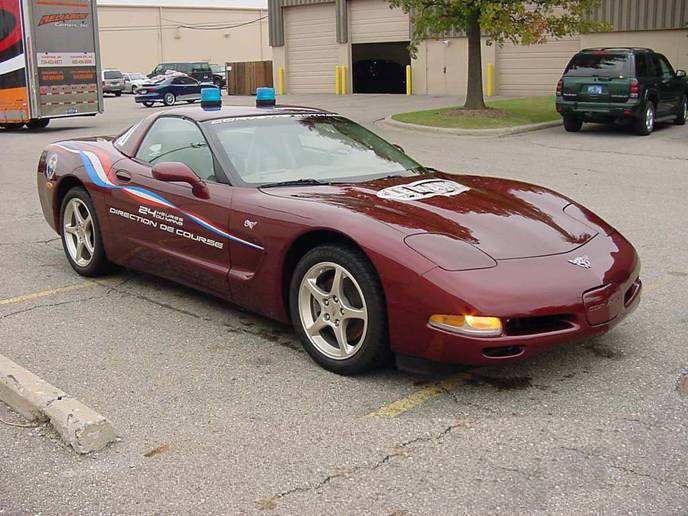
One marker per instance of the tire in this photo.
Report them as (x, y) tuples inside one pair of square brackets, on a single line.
[(118, 94), (134, 90), (190, 101), (646, 124), (572, 124), (359, 302), (38, 123), (169, 99), (86, 262), (148, 104), (683, 113), (12, 126)]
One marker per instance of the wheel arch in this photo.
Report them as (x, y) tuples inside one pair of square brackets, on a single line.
[(304, 243), (64, 186)]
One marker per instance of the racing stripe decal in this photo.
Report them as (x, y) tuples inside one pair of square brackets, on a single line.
[(99, 176)]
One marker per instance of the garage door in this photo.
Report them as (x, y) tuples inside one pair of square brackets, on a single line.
[(311, 47), (533, 69), (372, 21)]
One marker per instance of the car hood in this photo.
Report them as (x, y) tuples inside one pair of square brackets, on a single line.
[(503, 218)]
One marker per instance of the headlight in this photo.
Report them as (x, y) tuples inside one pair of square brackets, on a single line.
[(473, 325)]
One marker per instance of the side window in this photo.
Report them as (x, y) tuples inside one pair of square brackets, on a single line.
[(174, 139), (641, 68), (178, 80), (665, 71)]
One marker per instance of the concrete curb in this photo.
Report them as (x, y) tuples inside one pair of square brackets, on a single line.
[(394, 124), (79, 426)]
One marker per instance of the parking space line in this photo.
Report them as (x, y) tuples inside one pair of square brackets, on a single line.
[(60, 290), (419, 397)]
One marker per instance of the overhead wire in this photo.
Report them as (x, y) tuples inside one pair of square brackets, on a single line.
[(180, 25)]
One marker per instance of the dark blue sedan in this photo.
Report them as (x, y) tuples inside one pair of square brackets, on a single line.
[(171, 89)]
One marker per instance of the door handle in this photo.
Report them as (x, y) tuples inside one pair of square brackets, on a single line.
[(123, 175)]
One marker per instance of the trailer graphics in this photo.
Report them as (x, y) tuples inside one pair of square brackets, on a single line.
[(49, 65)]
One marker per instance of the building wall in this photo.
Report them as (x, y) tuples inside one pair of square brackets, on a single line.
[(135, 39)]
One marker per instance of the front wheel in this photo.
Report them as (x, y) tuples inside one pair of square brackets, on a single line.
[(169, 99), (81, 237), (683, 112), (148, 104), (572, 124), (338, 309), (646, 124), (118, 94), (134, 89)]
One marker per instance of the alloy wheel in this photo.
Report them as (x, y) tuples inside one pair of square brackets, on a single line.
[(333, 310), (649, 118), (78, 231)]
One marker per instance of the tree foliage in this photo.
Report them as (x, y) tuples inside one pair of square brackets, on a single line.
[(519, 21)]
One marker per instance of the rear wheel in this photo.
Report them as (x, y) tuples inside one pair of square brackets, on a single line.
[(646, 123), (338, 309), (133, 90), (572, 124), (683, 112), (148, 104), (169, 99), (81, 237), (38, 123), (190, 101), (118, 94)]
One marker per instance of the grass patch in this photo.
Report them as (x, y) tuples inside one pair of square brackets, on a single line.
[(500, 113)]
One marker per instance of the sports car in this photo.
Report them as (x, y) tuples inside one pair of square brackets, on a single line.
[(170, 88), (303, 216)]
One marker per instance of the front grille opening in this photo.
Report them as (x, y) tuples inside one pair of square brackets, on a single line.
[(502, 351), (630, 292), (534, 325)]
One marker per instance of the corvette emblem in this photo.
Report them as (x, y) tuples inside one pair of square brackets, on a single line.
[(581, 261), (250, 224)]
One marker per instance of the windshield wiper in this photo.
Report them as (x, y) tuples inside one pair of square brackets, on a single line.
[(295, 182)]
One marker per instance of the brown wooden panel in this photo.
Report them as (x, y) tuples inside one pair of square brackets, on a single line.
[(246, 77)]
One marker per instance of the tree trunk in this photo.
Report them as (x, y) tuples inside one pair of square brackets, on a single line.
[(474, 95)]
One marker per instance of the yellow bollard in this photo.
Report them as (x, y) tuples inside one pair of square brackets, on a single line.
[(408, 80), (344, 77), (490, 80), (280, 81), (337, 87)]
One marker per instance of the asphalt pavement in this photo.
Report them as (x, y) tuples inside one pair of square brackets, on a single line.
[(221, 411)]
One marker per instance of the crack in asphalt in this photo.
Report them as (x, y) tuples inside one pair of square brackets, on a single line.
[(2, 244), (398, 450), (555, 147), (626, 469), (50, 305)]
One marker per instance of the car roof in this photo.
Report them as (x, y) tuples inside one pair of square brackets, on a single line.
[(617, 49), (202, 115)]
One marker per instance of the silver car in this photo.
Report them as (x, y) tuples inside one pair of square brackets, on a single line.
[(133, 81), (113, 82)]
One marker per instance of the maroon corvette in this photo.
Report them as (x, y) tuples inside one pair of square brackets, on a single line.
[(304, 216)]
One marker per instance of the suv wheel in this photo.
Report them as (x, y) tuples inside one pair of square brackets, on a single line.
[(646, 124), (572, 124), (683, 112)]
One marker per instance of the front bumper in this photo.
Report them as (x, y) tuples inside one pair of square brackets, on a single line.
[(543, 302), (599, 111)]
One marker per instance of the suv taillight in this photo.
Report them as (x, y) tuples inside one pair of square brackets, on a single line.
[(635, 88), (560, 87)]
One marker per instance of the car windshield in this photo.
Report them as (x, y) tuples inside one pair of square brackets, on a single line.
[(113, 75), (306, 147), (601, 64)]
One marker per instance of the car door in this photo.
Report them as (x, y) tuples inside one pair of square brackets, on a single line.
[(669, 87), (162, 227)]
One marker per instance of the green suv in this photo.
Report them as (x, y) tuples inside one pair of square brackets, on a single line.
[(622, 85)]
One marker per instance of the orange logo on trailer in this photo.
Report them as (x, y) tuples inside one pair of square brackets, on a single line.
[(62, 17)]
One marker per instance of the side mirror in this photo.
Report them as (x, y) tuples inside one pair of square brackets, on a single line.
[(399, 148), (176, 172), (680, 74)]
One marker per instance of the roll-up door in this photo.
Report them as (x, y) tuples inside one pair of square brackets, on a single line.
[(533, 69), (372, 21), (311, 48)]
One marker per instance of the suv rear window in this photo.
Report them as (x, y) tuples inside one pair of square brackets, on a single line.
[(201, 67), (602, 64), (113, 75)]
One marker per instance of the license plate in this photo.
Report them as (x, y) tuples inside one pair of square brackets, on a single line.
[(595, 89)]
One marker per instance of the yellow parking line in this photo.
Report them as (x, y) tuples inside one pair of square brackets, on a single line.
[(54, 291), (419, 397)]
